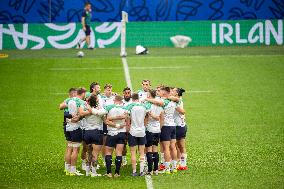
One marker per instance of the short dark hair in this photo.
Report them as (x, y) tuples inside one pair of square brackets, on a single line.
[(146, 80), (107, 86), (72, 89), (126, 89), (81, 90), (118, 98), (153, 93), (93, 101), (135, 96), (93, 85), (167, 89), (180, 91)]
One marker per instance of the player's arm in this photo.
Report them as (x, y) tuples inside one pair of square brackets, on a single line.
[(82, 112), (162, 119), (112, 124), (173, 98), (98, 112), (157, 102), (62, 105), (128, 124), (180, 110), (124, 116), (157, 118), (83, 22), (146, 119)]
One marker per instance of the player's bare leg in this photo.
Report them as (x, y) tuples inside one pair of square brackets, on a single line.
[(133, 160), (173, 151)]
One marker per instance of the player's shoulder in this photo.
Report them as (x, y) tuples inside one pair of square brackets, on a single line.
[(109, 107)]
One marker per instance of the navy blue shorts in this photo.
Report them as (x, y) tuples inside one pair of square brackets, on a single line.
[(134, 141), (112, 141), (181, 132), (168, 133), (76, 135), (152, 139), (66, 134), (93, 137), (88, 30), (105, 131)]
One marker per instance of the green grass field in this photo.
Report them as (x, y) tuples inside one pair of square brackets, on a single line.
[(234, 104)]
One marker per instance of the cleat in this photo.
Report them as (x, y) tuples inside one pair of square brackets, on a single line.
[(116, 175), (156, 172), (91, 48), (182, 168), (134, 174), (67, 173), (72, 174), (108, 175), (95, 175), (162, 167), (78, 45), (78, 173)]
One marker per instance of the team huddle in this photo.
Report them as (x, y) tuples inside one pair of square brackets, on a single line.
[(106, 122)]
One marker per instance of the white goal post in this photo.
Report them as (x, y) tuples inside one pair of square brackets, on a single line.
[(124, 20)]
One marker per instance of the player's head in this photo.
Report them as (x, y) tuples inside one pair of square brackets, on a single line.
[(81, 92), (165, 91), (88, 6), (172, 91), (118, 99), (93, 101), (180, 91), (108, 89), (127, 93), (152, 93), (95, 88), (72, 92), (146, 84), (158, 89), (135, 97)]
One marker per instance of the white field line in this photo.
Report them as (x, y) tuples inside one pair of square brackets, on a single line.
[(148, 178), (116, 68)]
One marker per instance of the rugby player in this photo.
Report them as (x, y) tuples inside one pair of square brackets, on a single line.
[(63, 106), (153, 130), (73, 129), (126, 101), (143, 93), (116, 125), (181, 130), (86, 22), (137, 132)]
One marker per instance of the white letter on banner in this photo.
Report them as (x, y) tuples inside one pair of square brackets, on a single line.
[(70, 28), (24, 35), (238, 34), (214, 33), (252, 31), (269, 28), (105, 28), (227, 35)]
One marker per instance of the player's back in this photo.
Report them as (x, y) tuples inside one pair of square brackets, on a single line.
[(114, 111), (137, 114)]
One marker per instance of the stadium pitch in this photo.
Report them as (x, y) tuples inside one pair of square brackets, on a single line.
[(234, 104)]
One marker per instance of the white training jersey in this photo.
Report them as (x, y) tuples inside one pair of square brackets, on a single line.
[(179, 118), (73, 110), (114, 111), (169, 109), (137, 113), (142, 95), (100, 100), (106, 101), (95, 120), (153, 125), (84, 105)]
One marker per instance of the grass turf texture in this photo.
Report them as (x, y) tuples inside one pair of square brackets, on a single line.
[(236, 133)]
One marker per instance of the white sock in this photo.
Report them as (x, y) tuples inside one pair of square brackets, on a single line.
[(72, 169), (94, 169), (183, 159), (167, 165), (174, 164), (162, 158), (123, 158), (142, 163), (87, 170), (67, 166)]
